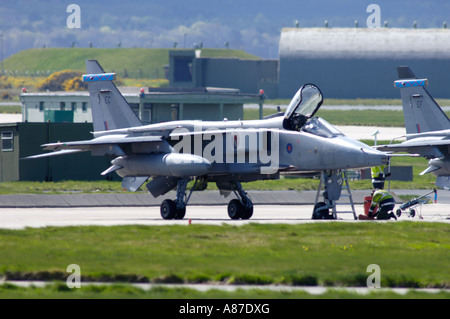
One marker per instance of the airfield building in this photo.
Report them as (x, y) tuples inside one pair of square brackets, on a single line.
[(187, 68), (152, 106), (362, 62)]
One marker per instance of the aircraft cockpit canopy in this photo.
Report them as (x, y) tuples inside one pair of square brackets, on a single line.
[(318, 126), (305, 103)]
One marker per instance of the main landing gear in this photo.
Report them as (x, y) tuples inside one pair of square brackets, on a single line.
[(176, 209), (241, 208)]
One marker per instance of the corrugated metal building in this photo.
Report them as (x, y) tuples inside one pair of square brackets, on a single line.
[(19, 140), (362, 62)]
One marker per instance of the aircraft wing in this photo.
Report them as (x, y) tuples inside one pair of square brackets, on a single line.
[(61, 152), (427, 148), (104, 140), (104, 145)]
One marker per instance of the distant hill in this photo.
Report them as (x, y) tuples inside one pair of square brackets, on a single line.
[(133, 63), (251, 25)]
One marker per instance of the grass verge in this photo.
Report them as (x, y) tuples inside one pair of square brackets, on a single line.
[(332, 254), (123, 291)]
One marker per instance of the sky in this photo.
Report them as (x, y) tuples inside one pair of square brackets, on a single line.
[(250, 25)]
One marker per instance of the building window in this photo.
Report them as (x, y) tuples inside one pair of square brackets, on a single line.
[(147, 113), (7, 141), (84, 107), (174, 112), (62, 106), (41, 106), (73, 106), (183, 69)]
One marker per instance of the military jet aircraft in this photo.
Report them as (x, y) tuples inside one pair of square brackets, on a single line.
[(224, 152), (427, 127)]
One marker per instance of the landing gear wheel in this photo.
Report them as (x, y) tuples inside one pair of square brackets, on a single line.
[(168, 209), (181, 212), (398, 212), (320, 211), (247, 213), (412, 213), (235, 209), (238, 211)]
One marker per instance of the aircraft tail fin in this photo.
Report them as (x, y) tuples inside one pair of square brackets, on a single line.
[(110, 110), (421, 112)]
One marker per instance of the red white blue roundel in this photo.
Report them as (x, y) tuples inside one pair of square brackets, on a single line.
[(289, 148)]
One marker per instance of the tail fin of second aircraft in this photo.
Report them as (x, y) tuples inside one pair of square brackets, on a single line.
[(421, 112), (110, 110)]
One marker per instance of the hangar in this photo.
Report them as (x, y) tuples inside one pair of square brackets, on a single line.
[(361, 62)]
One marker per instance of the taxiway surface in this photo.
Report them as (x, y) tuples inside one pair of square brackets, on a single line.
[(19, 218)]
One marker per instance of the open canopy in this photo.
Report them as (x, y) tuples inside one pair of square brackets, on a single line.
[(306, 102)]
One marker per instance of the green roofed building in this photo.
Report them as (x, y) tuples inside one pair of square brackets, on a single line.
[(151, 105)]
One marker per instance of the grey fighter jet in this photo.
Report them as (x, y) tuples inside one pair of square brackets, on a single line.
[(427, 127), (225, 152)]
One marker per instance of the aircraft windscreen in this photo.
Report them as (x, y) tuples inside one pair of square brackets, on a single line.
[(306, 101), (318, 126)]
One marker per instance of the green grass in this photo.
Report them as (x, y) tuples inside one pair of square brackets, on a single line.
[(357, 101), (364, 118), (340, 117), (149, 61), (123, 291), (61, 187), (409, 254), (8, 109)]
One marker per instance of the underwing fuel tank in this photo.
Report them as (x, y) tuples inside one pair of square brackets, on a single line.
[(172, 164)]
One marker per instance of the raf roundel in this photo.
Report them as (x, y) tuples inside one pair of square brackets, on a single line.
[(289, 148)]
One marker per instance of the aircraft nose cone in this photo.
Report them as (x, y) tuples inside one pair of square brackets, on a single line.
[(345, 153), (373, 157)]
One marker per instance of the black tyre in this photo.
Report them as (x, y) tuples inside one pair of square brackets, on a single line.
[(412, 212), (398, 212), (168, 209), (247, 213), (235, 209), (320, 211), (180, 213)]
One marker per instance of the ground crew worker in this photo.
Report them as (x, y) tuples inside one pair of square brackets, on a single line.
[(378, 176), (385, 203)]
